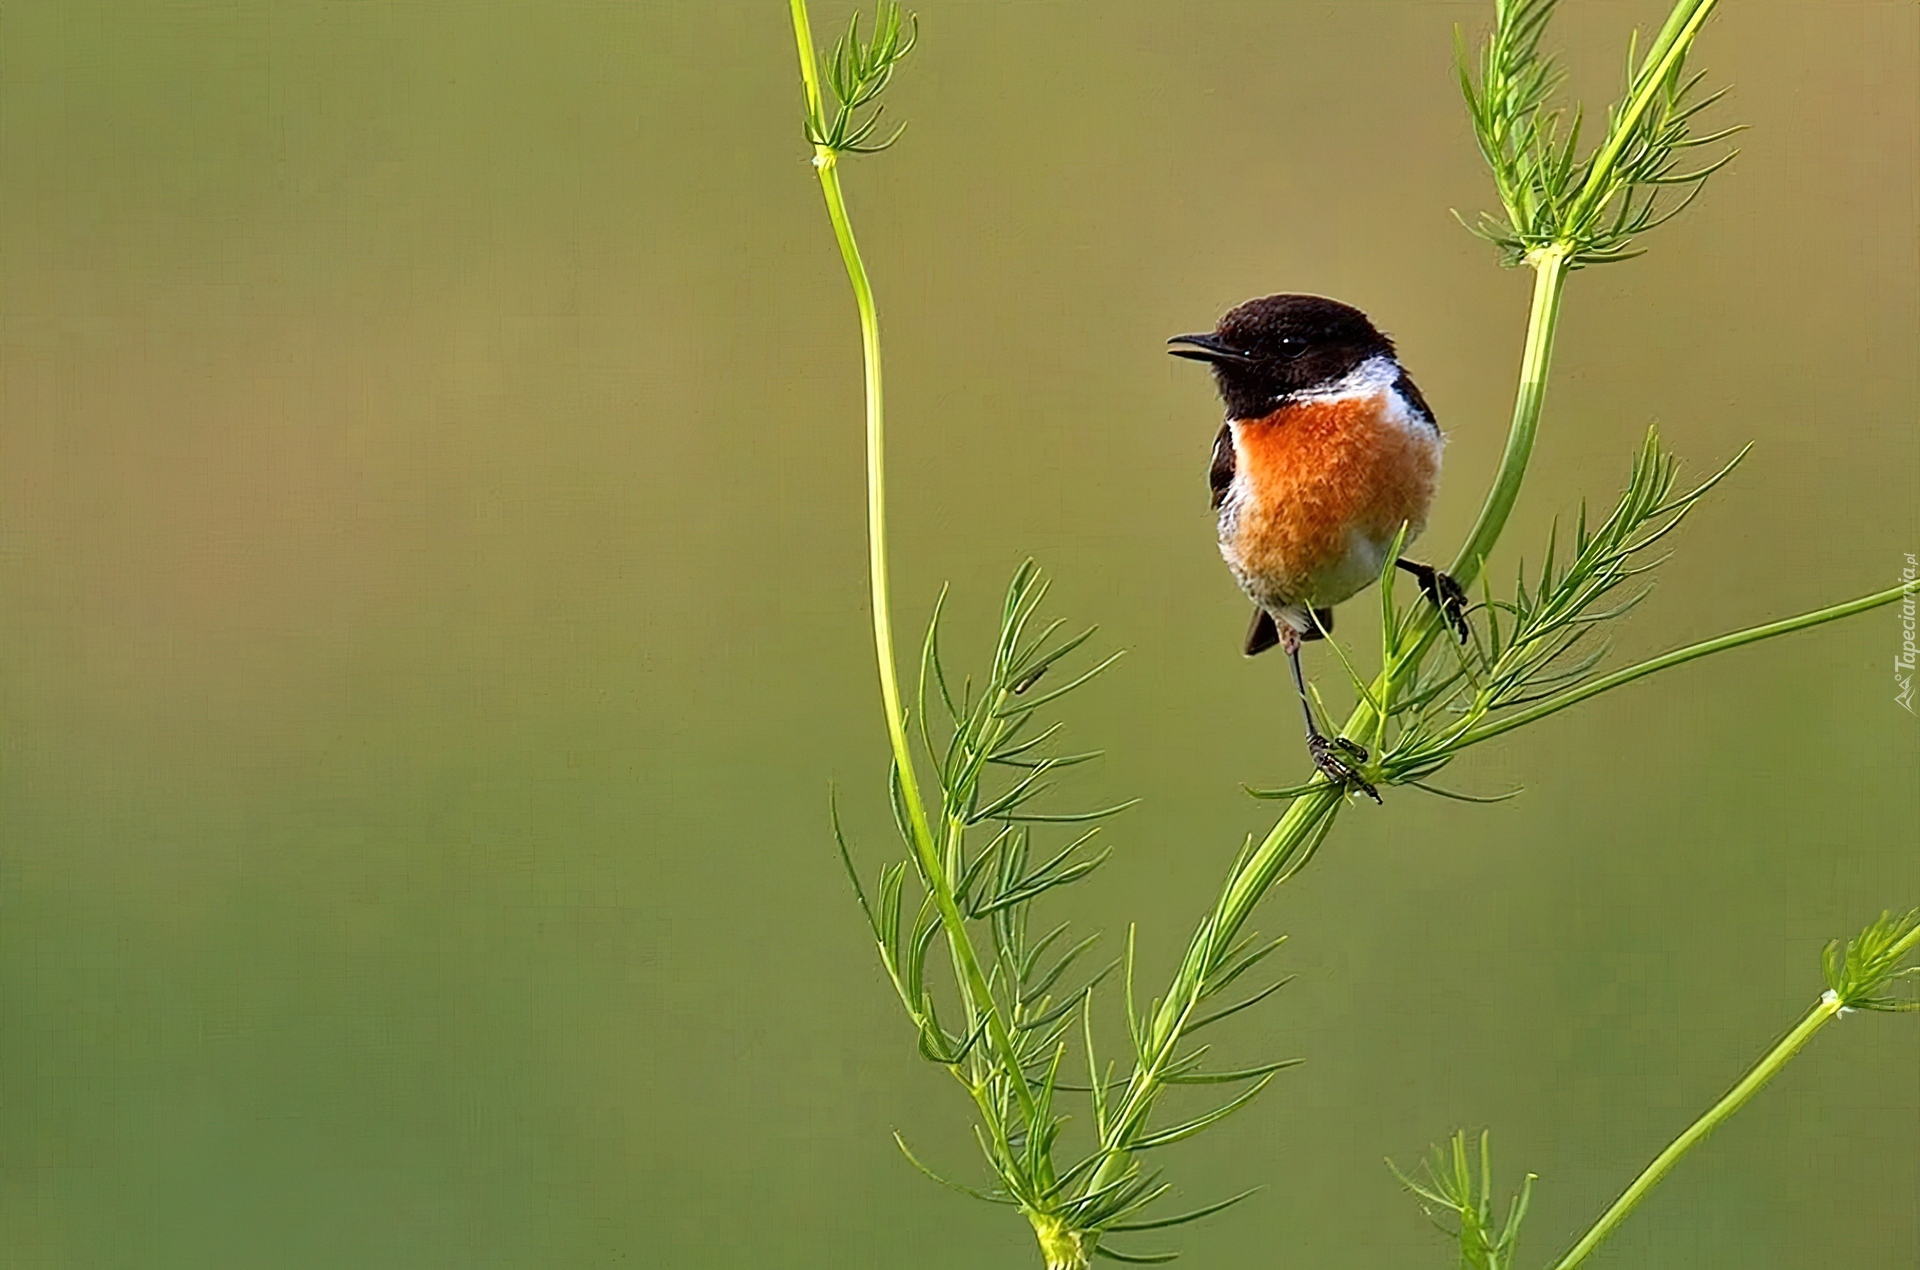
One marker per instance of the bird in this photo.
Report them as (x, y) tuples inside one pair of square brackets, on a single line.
[(1328, 449)]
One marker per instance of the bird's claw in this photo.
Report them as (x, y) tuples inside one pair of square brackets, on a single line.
[(1337, 769), (1446, 595)]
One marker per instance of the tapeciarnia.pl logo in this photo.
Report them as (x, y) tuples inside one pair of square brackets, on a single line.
[(1904, 659)]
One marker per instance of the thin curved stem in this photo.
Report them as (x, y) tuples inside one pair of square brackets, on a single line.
[(926, 850), (826, 164), (1765, 1070), (1752, 635), (1550, 267)]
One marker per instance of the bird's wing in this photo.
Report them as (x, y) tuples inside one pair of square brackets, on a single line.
[(1220, 474), (1262, 634), (1410, 394)]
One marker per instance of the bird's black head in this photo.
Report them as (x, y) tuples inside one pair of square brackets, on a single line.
[(1269, 349)]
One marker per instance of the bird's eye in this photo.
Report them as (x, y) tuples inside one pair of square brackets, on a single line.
[(1291, 346)]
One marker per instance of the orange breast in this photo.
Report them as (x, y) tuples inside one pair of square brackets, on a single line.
[(1324, 480)]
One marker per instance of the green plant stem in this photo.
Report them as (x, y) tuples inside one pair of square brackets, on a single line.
[(927, 853), (1736, 1098), (1752, 635), (1669, 47), (826, 165), (1550, 267)]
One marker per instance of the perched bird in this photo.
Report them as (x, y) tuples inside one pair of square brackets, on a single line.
[(1327, 450)]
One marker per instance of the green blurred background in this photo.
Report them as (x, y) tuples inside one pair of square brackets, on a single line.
[(433, 613)]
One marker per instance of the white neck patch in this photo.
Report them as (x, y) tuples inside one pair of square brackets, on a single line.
[(1376, 374)]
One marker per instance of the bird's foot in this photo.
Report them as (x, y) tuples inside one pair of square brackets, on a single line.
[(1444, 594), (1451, 600), (1332, 757)]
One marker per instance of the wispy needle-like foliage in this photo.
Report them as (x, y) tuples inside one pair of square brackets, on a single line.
[(1593, 204), (1542, 640), (996, 753), (1460, 1203), (858, 71), (1869, 971)]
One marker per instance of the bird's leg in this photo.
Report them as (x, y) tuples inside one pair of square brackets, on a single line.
[(1319, 746), (1442, 592)]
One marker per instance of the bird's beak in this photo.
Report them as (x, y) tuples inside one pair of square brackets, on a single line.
[(1208, 348)]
